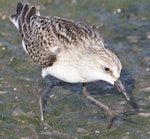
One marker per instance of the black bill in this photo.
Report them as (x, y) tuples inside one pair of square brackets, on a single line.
[(128, 96)]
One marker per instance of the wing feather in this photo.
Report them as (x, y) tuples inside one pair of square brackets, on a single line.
[(44, 38)]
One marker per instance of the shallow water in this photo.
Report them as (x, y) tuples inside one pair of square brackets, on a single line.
[(70, 115)]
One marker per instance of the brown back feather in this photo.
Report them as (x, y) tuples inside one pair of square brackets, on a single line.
[(36, 52)]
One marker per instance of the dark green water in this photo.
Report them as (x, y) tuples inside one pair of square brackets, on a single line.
[(69, 114)]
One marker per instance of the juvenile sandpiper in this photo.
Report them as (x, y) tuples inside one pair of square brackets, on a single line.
[(69, 51)]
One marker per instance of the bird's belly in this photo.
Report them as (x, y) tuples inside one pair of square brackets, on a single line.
[(68, 73)]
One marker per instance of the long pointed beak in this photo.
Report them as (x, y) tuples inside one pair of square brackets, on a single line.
[(128, 97)]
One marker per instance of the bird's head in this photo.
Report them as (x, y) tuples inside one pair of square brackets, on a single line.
[(110, 67)]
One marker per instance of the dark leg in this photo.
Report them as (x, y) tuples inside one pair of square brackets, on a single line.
[(98, 103), (112, 114), (41, 98), (42, 104)]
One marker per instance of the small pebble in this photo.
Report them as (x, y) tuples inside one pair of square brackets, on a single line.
[(118, 10), (3, 17), (97, 131), (3, 92)]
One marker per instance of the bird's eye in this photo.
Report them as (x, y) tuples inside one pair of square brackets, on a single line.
[(107, 69)]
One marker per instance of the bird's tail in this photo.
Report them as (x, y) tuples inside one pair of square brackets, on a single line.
[(14, 17), (23, 14)]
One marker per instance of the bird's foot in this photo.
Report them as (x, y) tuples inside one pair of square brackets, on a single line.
[(44, 125), (112, 115)]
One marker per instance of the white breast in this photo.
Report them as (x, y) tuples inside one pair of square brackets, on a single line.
[(70, 70), (63, 72)]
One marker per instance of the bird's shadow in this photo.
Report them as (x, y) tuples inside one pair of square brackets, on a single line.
[(94, 88)]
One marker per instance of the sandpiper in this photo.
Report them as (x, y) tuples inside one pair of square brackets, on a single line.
[(69, 51)]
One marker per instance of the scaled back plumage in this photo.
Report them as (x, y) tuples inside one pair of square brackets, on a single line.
[(41, 35)]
